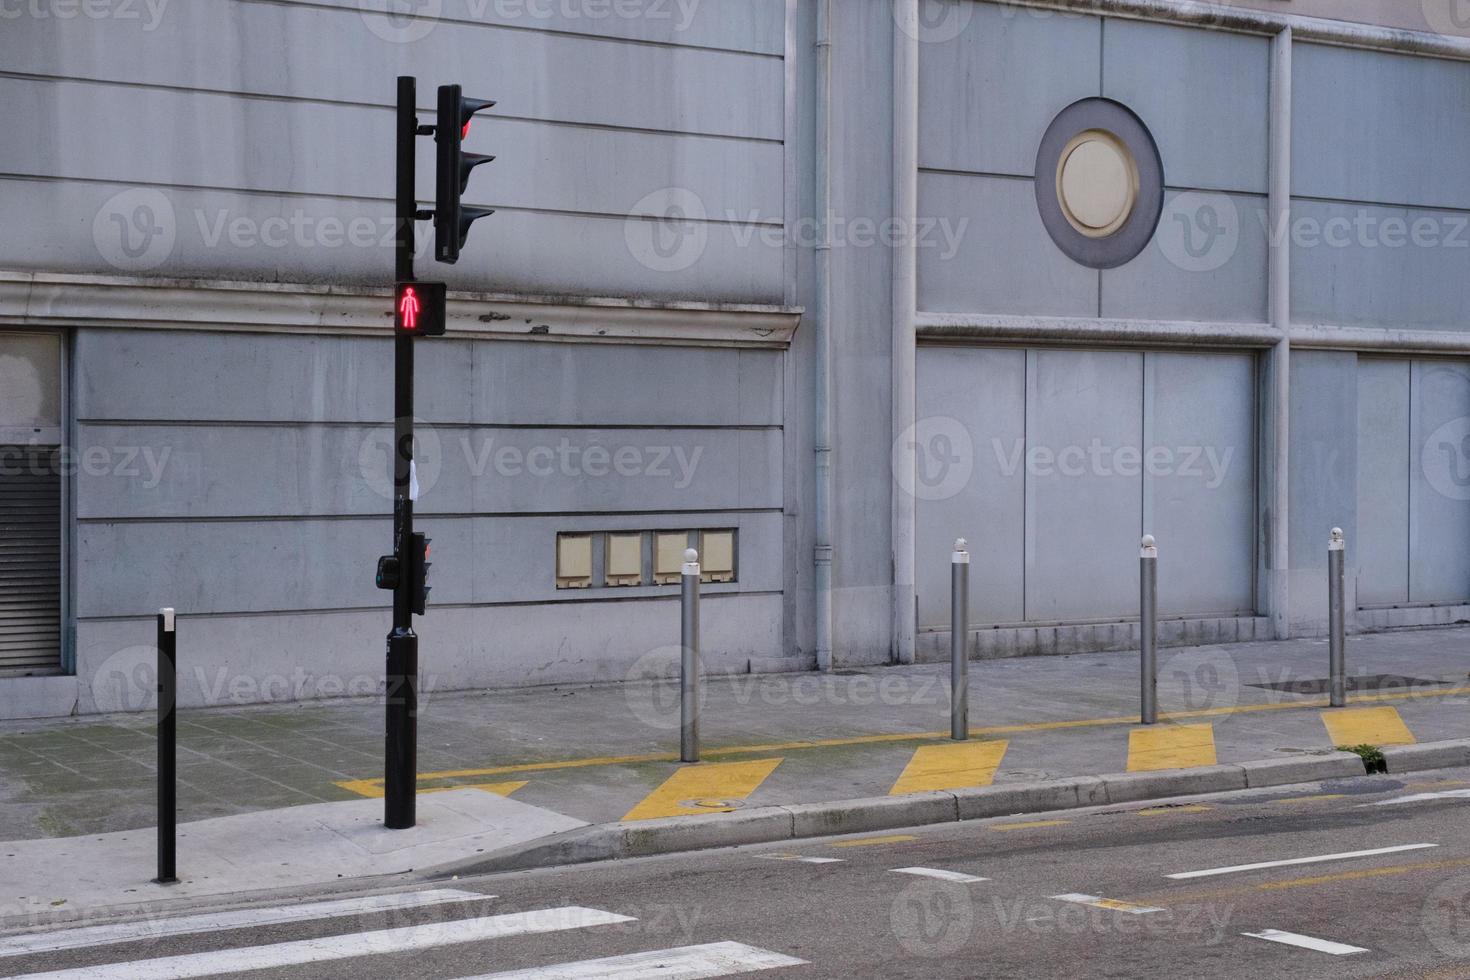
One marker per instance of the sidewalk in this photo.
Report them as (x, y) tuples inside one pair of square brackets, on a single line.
[(609, 752)]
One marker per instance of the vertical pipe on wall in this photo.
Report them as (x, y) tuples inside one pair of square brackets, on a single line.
[(822, 328), (905, 307), (1280, 358)]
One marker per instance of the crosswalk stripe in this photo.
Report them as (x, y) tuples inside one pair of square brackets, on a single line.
[(325, 948), (1367, 726), (1171, 747), (684, 963), (703, 788), (941, 874), (957, 766), (125, 932), (1305, 942), (1111, 904)]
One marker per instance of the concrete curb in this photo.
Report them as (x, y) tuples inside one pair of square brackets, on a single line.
[(1428, 755), (766, 825)]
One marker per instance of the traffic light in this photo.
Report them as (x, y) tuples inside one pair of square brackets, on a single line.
[(452, 220), (418, 309), (418, 580)]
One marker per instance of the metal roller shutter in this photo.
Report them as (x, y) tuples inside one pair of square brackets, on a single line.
[(30, 558)]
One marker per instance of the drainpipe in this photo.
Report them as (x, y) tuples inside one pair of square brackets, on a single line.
[(905, 306), (822, 328)]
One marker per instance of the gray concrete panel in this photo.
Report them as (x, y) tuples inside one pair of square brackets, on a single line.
[(1199, 480), (133, 471), (1378, 127), (1207, 262), (256, 145), (1439, 482), (271, 566), (987, 94), (995, 256), (1381, 550), (1323, 476), (1082, 520), (1212, 125), (1364, 265), (972, 421)]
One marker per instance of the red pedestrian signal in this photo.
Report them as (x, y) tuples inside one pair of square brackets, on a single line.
[(418, 309)]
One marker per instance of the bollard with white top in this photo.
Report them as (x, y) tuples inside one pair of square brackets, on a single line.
[(959, 639), (1148, 645), (689, 660), (1336, 615)]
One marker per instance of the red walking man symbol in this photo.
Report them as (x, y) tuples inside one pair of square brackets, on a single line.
[(408, 309)]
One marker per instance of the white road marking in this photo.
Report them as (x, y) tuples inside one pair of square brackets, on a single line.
[(326, 948), (941, 874), (798, 858), (1454, 794), (1211, 872), (1305, 942), (685, 963), (1111, 905), (127, 932)]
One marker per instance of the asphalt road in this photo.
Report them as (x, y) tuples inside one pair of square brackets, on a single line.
[(1079, 894)]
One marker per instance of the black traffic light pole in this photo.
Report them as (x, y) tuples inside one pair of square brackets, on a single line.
[(401, 759)]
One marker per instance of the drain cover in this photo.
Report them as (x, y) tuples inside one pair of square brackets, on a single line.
[(712, 804), (1373, 682)]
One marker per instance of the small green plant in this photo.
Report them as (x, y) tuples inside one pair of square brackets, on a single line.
[(1371, 755)]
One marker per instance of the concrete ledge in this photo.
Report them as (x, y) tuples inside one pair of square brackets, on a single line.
[(45, 696), (1307, 769), (1428, 755), (875, 813), (644, 837), (1012, 798), (1134, 786)]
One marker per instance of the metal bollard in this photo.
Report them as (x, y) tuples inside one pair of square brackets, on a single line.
[(1336, 555), (1149, 629), (689, 660), (959, 643), (168, 810)]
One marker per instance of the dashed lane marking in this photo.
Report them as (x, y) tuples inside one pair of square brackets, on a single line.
[(1111, 905), (874, 841), (1305, 942), (1347, 855), (959, 765), (1451, 794), (1161, 811), (1323, 798), (1171, 747), (1030, 825), (939, 873), (702, 788), (1367, 726), (799, 859)]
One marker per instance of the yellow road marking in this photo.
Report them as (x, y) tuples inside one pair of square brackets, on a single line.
[(700, 789), (955, 766), (1163, 810), (1437, 784), (995, 730), (871, 841), (1030, 825), (373, 788), (1166, 898), (1117, 906), (1315, 799), (1367, 726), (1171, 747)]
